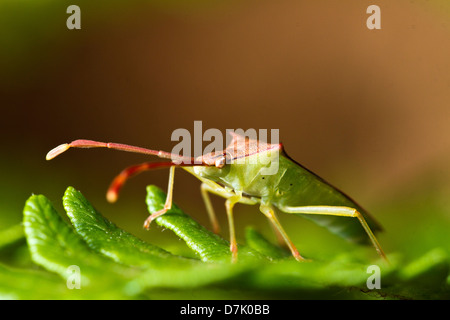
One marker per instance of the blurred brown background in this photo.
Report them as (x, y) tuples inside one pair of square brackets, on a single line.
[(367, 110)]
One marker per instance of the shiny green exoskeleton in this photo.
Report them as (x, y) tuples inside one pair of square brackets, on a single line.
[(289, 187), (254, 173)]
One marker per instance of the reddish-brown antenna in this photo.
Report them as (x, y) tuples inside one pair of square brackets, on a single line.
[(117, 146), (119, 181)]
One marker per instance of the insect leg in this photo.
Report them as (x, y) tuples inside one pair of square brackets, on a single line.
[(229, 204), (338, 211), (232, 199), (279, 236), (168, 203), (204, 188), (270, 214), (207, 187), (215, 188)]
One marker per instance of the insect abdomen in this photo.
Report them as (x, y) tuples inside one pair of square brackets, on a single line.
[(300, 187)]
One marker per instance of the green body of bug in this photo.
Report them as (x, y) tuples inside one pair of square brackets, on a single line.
[(255, 173), (290, 188)]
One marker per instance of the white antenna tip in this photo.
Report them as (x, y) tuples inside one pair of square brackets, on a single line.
[(111, 196), (57, 151)]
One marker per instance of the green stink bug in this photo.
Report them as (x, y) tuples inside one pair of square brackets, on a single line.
[(238, 174)]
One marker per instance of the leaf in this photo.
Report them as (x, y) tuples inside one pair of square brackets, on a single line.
[(103, 236), (209, 246), (24, 284), (161, 267), (256, 241), (55, 246), (114, 264), (430, 269), (11, 235), (204, 274)]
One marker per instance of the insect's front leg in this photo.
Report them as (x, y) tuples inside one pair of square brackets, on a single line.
[(167, 205)]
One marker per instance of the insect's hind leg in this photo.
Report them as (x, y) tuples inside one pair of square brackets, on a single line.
[(270, 214), (339, 211)]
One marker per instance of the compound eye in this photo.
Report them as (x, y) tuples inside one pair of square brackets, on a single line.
[(220, 162)]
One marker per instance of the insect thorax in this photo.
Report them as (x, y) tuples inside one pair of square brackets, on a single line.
[(255, 175)]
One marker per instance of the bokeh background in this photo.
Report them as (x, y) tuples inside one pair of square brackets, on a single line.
[(368, 110)]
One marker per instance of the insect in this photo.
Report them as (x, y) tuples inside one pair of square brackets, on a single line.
[(237, 175)]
